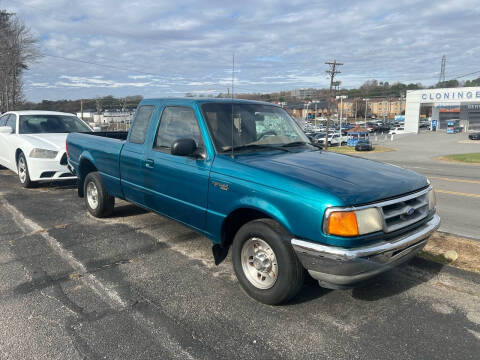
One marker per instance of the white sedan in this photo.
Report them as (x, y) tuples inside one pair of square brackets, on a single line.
[(397, 130), (32, 144)]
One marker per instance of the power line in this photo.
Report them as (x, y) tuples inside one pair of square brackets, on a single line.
[(461, 76)]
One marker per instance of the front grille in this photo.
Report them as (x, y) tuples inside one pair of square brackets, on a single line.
[(63, 160), (47, 174), (407, 211)]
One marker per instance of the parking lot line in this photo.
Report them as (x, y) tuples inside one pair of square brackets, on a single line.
[(454, 180), (457, 193)]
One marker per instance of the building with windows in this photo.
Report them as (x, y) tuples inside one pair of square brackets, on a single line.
[(386, 108), (348, 108), (446, 104), (303, 93), (310, 110), (382, 108)]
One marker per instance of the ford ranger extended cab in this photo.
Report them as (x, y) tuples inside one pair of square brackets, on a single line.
[(243, 174)]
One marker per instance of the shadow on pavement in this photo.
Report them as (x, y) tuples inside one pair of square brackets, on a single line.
[(391, 283), (57, 185), (397, 280), (127, 210), (310, 291)]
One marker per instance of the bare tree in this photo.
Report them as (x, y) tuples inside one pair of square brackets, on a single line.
[(18, 49)]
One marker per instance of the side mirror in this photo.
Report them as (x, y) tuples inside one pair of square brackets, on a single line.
[(97, 129), (6, 130), (183, 147)]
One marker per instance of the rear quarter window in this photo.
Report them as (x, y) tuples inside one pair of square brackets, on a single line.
[(140, 124)]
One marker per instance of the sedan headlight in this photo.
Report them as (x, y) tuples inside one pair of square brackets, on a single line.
[(353, 223), (43, 154), (432, 200)]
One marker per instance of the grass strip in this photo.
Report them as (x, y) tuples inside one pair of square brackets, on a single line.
[(471, 158), (441, 246)]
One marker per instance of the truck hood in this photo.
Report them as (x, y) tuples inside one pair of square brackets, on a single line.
[(351, 179), (46, 141)]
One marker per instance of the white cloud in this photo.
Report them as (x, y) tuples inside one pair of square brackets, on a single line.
[(156, 47)]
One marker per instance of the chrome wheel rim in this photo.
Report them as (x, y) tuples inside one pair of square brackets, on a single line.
[(22, 170), (92, 195), (259, 263)]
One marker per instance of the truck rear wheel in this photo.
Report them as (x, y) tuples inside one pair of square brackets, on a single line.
[(98, 202), (265, 263)]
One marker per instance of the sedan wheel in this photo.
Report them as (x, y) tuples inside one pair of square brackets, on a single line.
[(22, 170), (23, 174)]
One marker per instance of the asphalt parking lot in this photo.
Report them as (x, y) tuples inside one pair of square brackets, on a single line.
[(139, 286), (457, 185)]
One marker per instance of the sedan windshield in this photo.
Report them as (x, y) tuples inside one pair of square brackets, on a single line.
[(37, 124), (253, 125)]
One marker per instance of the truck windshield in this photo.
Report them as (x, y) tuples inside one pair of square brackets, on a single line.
[(253, 124), (36, 124)]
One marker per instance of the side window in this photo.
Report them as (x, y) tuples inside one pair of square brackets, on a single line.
[(3, 119), (177, 123), (140, 124), (12, 122)]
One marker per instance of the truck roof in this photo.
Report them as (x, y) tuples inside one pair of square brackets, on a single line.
[(195, 100)]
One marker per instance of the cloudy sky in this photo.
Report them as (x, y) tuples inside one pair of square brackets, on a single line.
[(167, 48)]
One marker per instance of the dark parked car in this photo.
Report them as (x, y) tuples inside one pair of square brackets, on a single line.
[(474, 136), (363, 145)]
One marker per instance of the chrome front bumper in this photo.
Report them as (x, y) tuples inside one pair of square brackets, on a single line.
[(337, 267)]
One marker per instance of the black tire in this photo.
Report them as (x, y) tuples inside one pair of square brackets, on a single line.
[(23, 173), (104, 202), (290, 277)]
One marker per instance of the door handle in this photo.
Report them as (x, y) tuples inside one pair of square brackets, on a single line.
[(149, 163)]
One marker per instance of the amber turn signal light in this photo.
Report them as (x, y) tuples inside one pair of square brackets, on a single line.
[(343, 223)]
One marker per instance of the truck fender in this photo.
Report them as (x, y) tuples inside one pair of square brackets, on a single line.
[(86, 164), (245, 210)]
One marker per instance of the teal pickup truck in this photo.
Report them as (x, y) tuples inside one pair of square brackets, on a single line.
[(243, 174)]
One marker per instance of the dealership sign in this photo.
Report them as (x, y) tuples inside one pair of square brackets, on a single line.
[(440, 95)]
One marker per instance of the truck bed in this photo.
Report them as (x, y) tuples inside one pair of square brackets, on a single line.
[(102, 150)]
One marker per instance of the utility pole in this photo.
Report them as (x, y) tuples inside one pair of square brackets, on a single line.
[(81, 109), (332, 72)]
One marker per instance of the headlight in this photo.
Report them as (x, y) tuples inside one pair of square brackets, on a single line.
[(353, 223), (43, 154), (432, 200)]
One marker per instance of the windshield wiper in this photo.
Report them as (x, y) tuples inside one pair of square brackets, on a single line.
[(299, 143), (295, 143), (256, 146)]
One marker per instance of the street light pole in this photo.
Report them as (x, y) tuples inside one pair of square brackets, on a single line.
[(366, 110), (341, 97)]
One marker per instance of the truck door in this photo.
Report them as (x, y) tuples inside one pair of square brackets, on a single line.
[(133, 155), (178, 185)]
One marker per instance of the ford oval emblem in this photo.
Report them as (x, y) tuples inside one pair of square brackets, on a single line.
[(410, 211)]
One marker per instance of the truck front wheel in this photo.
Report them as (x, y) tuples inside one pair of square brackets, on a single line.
[(98, 202), (265, 263)]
